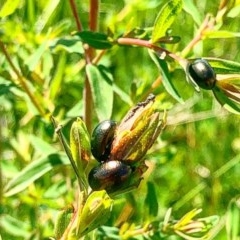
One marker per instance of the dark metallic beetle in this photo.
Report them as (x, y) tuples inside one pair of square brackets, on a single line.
[(109, 175), (102, 138), (202, 74)]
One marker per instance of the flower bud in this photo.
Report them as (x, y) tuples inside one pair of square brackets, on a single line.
[(137, 131), (80, 144)]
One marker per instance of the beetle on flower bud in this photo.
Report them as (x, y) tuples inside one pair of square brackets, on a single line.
[(109, 175), (102, 138), (121, 148)]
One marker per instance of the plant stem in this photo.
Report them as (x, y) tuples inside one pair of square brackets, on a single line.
[(75, 15), (144, 43), (93, 21), (207, 23), (89, 56), (22, 81)]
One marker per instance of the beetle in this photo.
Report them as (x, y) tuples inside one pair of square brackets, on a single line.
[(201, 72), (102, 138), (110, 175)]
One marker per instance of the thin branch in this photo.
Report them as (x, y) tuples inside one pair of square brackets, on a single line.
[(75, 14), (22, 80), (207, 23), (144, 43)]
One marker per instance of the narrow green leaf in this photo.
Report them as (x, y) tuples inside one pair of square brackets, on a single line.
[(223, 66), (102, 90), (62, 221), (162, 66), (41, 146), (9, 7), (57, 79), (95, 39), (14, 226), (70, 45), (32, 172), (34, 59), (221, 34), (190, 7), (47, 13), (151, 200), (124, 96), (233, 219), (166, 18), (229, 104)]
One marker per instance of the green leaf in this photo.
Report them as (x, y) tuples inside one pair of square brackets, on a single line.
[(46, 14), (166, 18), (221, 34), (70, 45), (233, 219), (229, 104), (80, 148), (41, 146), (34, 59), (151, 200), (14, 226), (9, 7), (62, 221), (95, 39), (167, 82), (106, 232), (190, 7), (34, 171), (124, 96), (57, 79), (5, 88), (95, 212), (223, 66), (102, 90)]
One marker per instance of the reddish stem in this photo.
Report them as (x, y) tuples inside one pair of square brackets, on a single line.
[(75, 14), (93, 21), (144, 43)]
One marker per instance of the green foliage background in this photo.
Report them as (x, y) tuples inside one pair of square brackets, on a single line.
[(195, 162)]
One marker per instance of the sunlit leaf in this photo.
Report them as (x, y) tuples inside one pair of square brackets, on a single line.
[(190, 7), (167, 82), (102, 90), (32, 172), (95, 39), (166, 18), (46, 14), (9, 7), (33, 60), (234, 12), (221, 34), (57, 78)]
